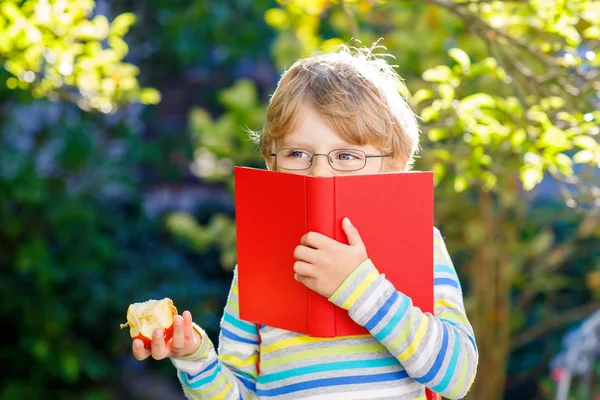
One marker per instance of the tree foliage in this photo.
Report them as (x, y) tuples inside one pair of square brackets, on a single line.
[(76, 242), (60, 50)]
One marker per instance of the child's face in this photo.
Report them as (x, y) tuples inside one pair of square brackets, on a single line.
[(312, 133)]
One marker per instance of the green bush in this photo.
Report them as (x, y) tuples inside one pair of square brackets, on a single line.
[(77, 248)]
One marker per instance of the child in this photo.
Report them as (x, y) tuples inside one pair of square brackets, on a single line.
[(333, 114)]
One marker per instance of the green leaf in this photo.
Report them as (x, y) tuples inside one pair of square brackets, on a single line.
[(277, 18), (584, 157), (564, 164), (242, 95), (441, 73), (199, 119), (536, 114), (531, 175), (593, 32), (150, 96), (119, 46), (421, 95), (40, 349), (591, 12), (567, 117), (443, 154), (121, 24), (439, 171), (430, 113), (186, 226), (11, 11), (553, 102), (513, 106), (478, 100), (489, 63), (585, 142), (461, 57), (331, 45), (446, 91), (518, 138), (489, 180), (70, 367), (570, 33), (436, 134), (460, 183), (554, 138)]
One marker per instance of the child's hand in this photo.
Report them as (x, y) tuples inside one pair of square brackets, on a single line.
[(186, 341), (324, 264)]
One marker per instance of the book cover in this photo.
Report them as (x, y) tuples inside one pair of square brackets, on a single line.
[(393, 213)]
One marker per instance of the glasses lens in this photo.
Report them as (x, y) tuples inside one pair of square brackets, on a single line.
[(293, 159), (347, 159)]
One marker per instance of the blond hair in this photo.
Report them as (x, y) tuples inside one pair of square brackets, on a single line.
[(356, 92)]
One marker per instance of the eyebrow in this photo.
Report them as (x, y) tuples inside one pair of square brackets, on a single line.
[(342, 145)]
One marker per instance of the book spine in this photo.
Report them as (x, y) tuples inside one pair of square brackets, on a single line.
[(320, 215)]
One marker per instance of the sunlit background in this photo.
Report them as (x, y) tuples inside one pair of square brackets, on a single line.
[(121, 121)]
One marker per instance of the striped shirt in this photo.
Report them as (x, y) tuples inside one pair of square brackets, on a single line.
[(406, 351)]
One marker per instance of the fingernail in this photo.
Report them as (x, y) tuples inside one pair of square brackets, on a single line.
[(137, 344), (158, 333), (178, 320)]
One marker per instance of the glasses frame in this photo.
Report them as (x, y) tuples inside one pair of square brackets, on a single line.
[(313, 155)]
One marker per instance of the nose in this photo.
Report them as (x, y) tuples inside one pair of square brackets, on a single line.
[(320, 166)]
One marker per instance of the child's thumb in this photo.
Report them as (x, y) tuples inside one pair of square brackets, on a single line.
[(354, 238)]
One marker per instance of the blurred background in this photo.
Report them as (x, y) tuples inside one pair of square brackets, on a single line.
[(121, 121)]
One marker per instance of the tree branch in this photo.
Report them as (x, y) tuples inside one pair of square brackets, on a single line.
[(458, 8), (552, 323)]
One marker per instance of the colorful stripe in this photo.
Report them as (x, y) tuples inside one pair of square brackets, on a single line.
[(406, 351)]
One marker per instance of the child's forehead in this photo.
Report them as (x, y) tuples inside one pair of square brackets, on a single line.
[(319, 146), (307, 143)]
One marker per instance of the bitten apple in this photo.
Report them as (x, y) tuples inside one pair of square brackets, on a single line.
[(146, 317)]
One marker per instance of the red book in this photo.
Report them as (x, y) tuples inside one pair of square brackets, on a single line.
[(393, 213)]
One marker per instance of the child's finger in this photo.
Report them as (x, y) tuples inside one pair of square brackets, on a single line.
[(354, 238), (193, 339), (188, 329), (304, 269), (305, 280), (314, 239), (159, 349), (299, 278), (178, 340), (139, 352), (307, 254)]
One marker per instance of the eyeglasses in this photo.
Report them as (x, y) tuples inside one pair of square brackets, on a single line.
[(295, 159)]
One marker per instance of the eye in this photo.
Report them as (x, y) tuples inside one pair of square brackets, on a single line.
[(348, 156), (297, 153)]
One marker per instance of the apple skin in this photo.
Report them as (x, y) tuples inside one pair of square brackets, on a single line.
[(168, 334)]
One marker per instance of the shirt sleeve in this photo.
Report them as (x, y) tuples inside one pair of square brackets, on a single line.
[(230, 374), (438, 351)]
